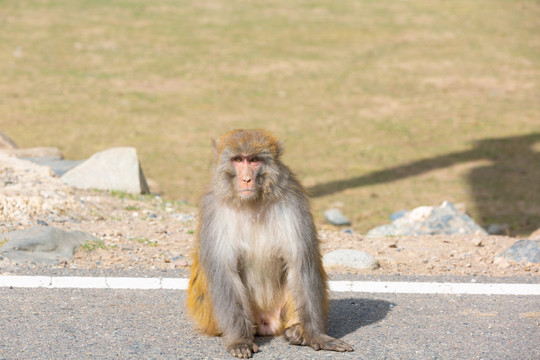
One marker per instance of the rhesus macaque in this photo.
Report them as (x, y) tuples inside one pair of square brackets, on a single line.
[(257, 265)]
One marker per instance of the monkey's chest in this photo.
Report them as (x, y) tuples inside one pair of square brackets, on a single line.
[(263, 278)]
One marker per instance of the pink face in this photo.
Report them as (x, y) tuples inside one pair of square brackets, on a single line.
[(246, 167)]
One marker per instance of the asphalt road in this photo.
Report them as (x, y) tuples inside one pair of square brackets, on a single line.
[(45, 323)]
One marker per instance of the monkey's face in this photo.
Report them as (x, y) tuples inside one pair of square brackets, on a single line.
[(246, 165), (246, 171)]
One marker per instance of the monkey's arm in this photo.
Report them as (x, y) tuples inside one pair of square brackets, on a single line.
[(307, 282)]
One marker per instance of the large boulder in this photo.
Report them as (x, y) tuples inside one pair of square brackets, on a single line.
[(114, 169), (429, 220)]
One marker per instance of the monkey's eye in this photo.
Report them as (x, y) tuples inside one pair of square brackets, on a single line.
[(255, 159), (237, 159)]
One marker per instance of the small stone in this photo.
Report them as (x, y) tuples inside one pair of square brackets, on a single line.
[(181, 217), (336, 217), (501, 262), (476, 242), (524, 251), (497, 229), (351, 258)]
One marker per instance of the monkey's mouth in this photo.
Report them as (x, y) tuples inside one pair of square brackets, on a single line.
[(246, 193)]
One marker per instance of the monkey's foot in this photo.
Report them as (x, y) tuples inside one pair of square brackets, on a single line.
[(295, 336), (242, 349), (325, 342)]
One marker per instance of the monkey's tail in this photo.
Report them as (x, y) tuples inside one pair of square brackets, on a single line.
[(199, 302)]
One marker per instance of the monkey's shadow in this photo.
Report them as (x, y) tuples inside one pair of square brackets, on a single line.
[(350, 314)]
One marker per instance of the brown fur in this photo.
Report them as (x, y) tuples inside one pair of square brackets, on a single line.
[(257, 267)]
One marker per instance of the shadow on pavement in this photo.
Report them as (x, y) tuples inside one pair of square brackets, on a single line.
[(348, 315)]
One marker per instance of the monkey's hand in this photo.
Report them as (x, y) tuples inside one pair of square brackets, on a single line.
[(242, 349), (296, 336)]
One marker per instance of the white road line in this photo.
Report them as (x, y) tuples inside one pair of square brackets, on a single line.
[(394, 287)]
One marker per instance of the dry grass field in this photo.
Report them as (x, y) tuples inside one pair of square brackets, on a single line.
[(382, 105)]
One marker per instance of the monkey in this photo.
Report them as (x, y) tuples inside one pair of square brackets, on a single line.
[(257, 266)]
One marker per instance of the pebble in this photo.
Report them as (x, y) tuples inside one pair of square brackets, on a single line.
[(497, 229), (336, 217), (351, 258), (181, 217)]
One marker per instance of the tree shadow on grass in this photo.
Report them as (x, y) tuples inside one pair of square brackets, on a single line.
[(506, 191)]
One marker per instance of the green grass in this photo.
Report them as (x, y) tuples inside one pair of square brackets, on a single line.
[(381, 105), (144, 241), (92, 245)]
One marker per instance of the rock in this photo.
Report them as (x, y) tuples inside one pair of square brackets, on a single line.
[(397, 215), (34, 152), (336, 217), (351, 258), (114, 169), (182, 217), (29, 193), (477, 241), (502, 262), (42, 244), (497, 229), (428, 220), (524, 251), (58, 165), (6, 142)]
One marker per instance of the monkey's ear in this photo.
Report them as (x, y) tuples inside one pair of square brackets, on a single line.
[(215, 147), (279, 149)]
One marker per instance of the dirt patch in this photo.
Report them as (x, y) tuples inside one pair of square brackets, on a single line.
[(147, 232)]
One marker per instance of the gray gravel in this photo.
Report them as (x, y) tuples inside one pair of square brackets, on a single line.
[(129, 324)]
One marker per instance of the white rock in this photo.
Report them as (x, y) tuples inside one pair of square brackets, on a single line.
[(113, 169), (351, 258), (421, 213)]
